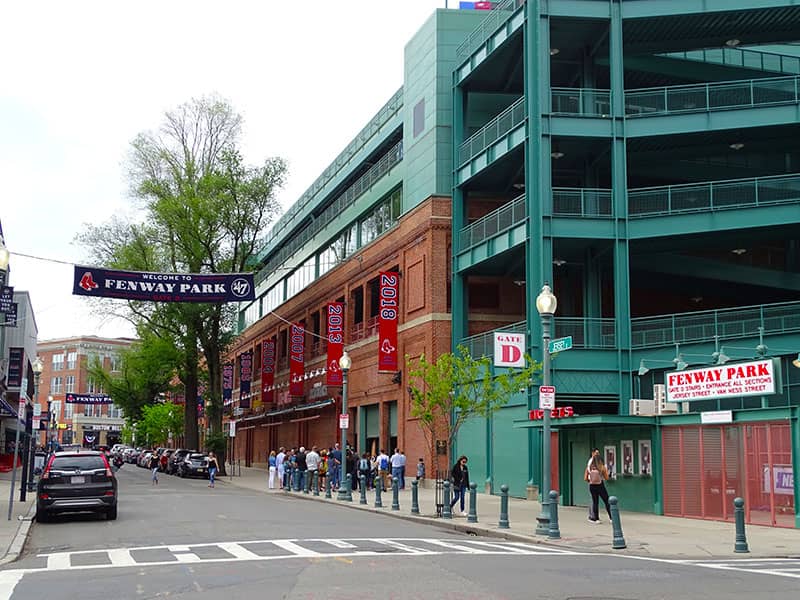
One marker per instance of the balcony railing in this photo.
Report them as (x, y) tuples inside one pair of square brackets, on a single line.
[(712, 96), (714, 195), (364, 329), (581, 202), (742, 57), (727, 324), (492, 131), (496, 17), (581, 101), (495, 222), (482, 344), (587, 333)]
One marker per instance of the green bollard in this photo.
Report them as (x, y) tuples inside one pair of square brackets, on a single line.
[(446, 512), (287, 482), (363, 480), (316, 483), (415, 497), (378, 503), (619, 541), (503, 522), (472, 517), (328, 487), (553, 532), (348, 490), (395, 494), (741, 538), (306, 482)]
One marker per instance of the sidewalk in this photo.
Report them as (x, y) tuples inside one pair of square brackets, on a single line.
[(14, 532), (645, 534)]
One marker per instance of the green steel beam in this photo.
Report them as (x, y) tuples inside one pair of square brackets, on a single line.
[(732, 118), (458, 300)]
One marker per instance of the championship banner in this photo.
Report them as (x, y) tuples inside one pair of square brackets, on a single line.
[(297, 347), (245, 376), (88, 399), (227, 383), (268, 370), (163, 287), (335, 342), (387, 321)]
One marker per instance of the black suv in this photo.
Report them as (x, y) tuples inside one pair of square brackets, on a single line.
[(193, 464), (76, 481), (176, 458)]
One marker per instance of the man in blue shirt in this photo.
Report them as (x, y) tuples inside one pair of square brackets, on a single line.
[(335, 466)]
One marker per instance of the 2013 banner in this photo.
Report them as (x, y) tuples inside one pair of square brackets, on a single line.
[(297, 348), (163, 287), (227, 383), (245, 376), (388, 310), (335, 342), (268, 370), (88, 399)]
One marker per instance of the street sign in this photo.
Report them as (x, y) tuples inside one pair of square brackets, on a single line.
[(344, 421), (559, 345), (547, 396), (37, 410)]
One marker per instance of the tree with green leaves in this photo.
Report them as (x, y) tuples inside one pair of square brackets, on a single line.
[(159, 421), (455, 387)]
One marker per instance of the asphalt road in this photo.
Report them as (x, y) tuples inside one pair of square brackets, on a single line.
[(184, 540)]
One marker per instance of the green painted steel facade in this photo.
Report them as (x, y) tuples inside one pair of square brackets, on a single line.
[(641, 157)]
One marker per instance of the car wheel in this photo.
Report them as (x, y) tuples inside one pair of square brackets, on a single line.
[(182, 473), (111, 514)]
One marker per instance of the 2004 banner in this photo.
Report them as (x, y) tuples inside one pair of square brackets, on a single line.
[(163, 287)]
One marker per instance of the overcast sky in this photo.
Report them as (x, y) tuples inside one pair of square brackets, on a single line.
[(80, 79)]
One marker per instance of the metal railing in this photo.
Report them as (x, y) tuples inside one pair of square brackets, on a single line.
[(492, 131), (498, 220), (482, 344), (587, 333), (364, 329), (714, 195), (727, 323), (499, 14), (581, 101), (581, 202), (712, 96), (742, 57)]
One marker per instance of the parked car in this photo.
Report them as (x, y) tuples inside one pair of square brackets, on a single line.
[(74, 482), (176, 457), (144, 459), (193, 464)]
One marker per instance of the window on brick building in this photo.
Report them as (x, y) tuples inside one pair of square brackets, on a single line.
[(72, 360), (69, 384), (58, 362), (55, 385)]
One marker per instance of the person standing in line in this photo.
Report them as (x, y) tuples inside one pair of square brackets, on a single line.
[(460, 476), (280, 458), (383, 468), (335, 466), (596, 474), (300, 465), (396, 462), (365, 469), (273, 469), (420, 470), (402, 470), (154, 467), (213, 467), (312, 465)]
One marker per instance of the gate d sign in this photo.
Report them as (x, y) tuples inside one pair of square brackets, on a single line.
[(509, 349)]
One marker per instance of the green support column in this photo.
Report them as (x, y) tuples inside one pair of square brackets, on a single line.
[(656, 469), (794, 422), (459, 306), (489, 453)]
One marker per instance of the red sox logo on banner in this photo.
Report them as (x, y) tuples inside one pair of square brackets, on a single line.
[(387, 321), (335, 342), (297, 344)]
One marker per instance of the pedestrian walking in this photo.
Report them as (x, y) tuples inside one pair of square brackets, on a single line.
[(459, 475), (273, 469), (154, 468), (213, 467), (597, 474)]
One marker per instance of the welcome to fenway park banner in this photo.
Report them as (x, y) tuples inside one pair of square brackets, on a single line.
[(335, 342), (297, 348), (163, 287), (387, 321), (268, 370), (88, 399)]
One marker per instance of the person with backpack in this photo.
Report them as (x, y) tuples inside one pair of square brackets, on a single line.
[(383, 469), (596, 474), (365, 469)]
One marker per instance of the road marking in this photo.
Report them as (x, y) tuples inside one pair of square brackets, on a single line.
[(8, 581), (451, 546), (121, 557), (403, 547), (238, 551), (338, 544), (500, 547), (58, 561), (295, 549)]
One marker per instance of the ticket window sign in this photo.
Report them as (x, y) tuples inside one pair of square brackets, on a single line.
[(755, 378)]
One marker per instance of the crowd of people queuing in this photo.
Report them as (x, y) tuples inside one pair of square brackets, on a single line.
[(298, 466)]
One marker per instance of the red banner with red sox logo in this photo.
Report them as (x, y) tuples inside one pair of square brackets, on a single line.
[(297, 348), (387, 321), (268, 370), (335, 342)]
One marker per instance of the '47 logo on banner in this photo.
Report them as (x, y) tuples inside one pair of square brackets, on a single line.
[(389, 309)]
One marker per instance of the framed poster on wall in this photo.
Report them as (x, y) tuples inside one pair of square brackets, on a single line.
[(645, 458), (627, 458), (610, 453)]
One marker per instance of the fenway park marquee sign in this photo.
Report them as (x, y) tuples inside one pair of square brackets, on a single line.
[(756, 378), (163, 287)]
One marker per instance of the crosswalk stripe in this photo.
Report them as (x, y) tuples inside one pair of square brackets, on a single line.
[(295, 549), (238, 551), (500, 547), (59, 561), (403, 547), (340, 544), (451, 546), (121, 557)]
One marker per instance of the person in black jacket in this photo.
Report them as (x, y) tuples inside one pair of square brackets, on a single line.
[(459, 475)]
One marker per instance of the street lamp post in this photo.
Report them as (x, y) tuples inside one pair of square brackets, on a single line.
[(344, 364), (546, 305), (37, 367)]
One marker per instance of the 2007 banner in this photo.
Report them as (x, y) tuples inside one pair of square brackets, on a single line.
[(163, 287)]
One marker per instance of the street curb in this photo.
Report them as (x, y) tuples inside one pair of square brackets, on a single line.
[(15, 549)]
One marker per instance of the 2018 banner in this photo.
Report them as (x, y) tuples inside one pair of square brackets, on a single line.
[(268, 370), (245, 375), (388, 310), (335, 342), (88, 399), (297, 348), (163, 287), (227, 383)]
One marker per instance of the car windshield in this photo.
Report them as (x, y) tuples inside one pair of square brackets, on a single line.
[(77, 463)]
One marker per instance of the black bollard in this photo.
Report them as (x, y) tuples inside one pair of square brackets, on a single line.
[(738, 515), (619, 541), (378, 486), (395, 494), (503, 522), (328, 486), (363, 480), (446, 512), (316, 483), (306, 479), (348, 490), (472, 516), (553, 532), (415, 497), (287, 481)]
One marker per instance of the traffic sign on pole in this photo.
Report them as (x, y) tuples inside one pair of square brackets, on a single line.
[(344, 421), (547, 396), (559, 345)]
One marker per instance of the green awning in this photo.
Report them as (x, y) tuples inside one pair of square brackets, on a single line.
[(586, 421)]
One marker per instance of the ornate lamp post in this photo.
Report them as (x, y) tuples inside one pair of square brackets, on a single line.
[(37, 367), (344, 364), (546, 304)]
